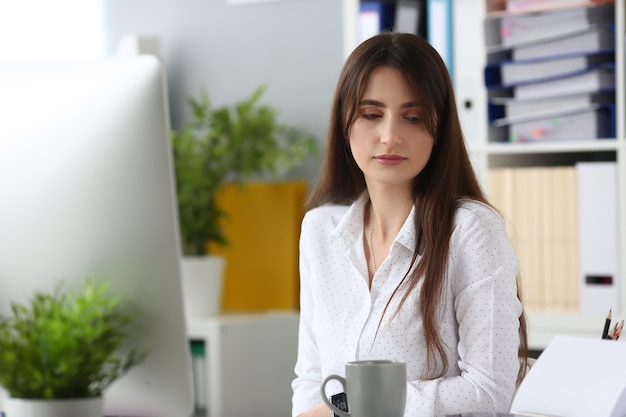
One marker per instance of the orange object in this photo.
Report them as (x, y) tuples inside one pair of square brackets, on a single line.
[(262, 226)]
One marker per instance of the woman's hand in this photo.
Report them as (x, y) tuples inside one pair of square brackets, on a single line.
[(320, 410)]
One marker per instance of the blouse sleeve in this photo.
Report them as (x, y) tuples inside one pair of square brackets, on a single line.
[(483, 281), (305, 386)]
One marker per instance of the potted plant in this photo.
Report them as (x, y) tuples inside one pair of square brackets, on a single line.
[(219, 146), (60, 350)]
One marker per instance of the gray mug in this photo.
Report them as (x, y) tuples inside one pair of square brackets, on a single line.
[(375, 388)]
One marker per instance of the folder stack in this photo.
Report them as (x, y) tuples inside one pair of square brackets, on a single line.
[(550, 72), (563, 223)]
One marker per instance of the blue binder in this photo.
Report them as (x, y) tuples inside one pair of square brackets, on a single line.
[(594, 122), (384, 13), (511, 73), (594, 80)]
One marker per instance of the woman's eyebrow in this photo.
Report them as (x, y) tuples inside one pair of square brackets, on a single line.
[(376, 103), (370, 102)]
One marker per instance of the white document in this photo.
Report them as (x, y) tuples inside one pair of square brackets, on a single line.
[(575, 377)]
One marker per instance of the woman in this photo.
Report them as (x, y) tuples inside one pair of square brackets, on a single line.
[(401, 256)]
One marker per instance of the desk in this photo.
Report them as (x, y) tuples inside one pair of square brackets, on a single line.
[(486, 414), (250, 361)]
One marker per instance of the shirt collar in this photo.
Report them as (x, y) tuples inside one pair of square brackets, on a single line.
[(349, 230), (350, 227)]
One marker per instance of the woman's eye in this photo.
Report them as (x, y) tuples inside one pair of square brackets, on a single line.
[(371, 116), (414, 119)]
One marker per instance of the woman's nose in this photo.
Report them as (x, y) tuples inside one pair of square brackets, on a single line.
[(390, 132)]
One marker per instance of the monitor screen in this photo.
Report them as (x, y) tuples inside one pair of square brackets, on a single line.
[(86, 191)]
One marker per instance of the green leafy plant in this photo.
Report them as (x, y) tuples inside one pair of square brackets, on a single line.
[(64, 344), (228, 144)]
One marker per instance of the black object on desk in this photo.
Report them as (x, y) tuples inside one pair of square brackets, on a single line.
[(339, 401)]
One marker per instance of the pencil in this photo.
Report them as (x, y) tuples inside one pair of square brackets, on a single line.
[(618, 330), (607, 325)]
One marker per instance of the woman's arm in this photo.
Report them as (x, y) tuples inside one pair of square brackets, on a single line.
[(484, 304), (306, 391), (320, 410)]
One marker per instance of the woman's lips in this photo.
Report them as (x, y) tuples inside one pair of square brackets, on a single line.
[(389, 159)]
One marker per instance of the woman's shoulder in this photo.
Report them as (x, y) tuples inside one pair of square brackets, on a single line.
[(468, 208), (327, 213), (478, 213)]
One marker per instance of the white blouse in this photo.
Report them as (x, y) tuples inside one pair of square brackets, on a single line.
[(340, 316)]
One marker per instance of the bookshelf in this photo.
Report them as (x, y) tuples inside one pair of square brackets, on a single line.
[(470, 59)]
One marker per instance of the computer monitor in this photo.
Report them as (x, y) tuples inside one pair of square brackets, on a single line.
[(86, 191)]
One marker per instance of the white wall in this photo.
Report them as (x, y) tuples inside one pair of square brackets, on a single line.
[(43, 29), (295, 47)]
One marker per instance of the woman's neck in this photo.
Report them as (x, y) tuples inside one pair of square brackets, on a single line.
[(388, 211), (385, 215)]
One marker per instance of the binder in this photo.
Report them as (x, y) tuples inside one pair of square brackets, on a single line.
[(496, 5), (592, 81), (510, 30), (545, 5), (439, 28), (468, 78), (595, 122), (597, 227), (260, 276), (592, 40), (539, 205), (595, 39), (509, 108), (374, 17), (515, 72), (199, 374), (531, 248), (550, 72), (563, 255), (411, 17)]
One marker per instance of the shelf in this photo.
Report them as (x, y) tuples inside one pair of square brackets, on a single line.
[(599, 145), (543, 325), (241, 351)]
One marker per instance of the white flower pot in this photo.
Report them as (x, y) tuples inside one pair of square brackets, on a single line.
[(202, 279), (71, 407)]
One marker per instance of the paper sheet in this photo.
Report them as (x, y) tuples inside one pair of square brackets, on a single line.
[(575, 377)]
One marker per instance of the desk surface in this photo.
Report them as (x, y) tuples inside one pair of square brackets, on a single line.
[(486, 414)]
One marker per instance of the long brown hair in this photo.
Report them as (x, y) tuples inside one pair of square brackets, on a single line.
[(447, 177)]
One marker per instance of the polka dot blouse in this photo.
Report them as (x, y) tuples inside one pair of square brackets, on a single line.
[(342, 318)]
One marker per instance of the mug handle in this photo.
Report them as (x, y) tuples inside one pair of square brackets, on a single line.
[(332, 406)]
